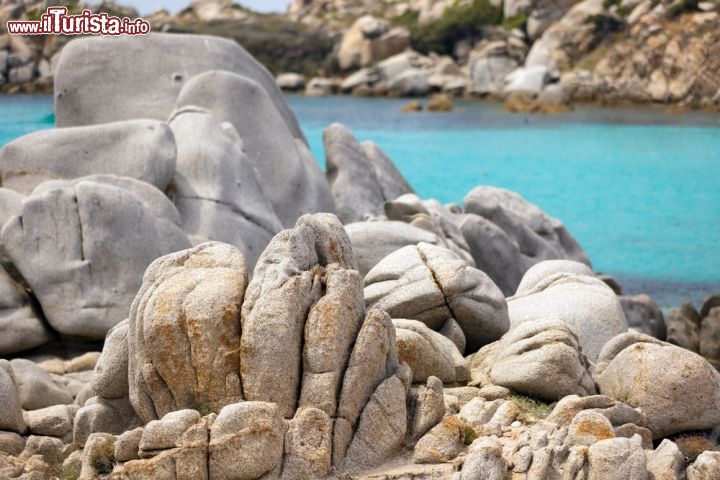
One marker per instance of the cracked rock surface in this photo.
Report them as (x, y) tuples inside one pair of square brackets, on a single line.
[(64, 245), (432, 284)]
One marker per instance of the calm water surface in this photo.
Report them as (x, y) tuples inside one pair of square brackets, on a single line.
[(639, 188)]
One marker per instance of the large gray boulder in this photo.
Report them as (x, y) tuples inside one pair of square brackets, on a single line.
[(373, 241), (21, 327), (352, 179), (290, 183), (106, 79), (362, 178), (507, 235), (82, 245), (676, 389), (541, 359), (216, 189), (184, 331), (432, 284), (584, 302), (141, 149)]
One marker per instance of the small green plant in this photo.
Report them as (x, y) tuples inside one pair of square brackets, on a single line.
[(609, 3), (516, 21), (103, 457), (470, 435), (71, 470), (207, 409), (532, 409), (458, 22), (624, 10)]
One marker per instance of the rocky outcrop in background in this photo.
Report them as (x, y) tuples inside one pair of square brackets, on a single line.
[(217, 307), (536, 56)]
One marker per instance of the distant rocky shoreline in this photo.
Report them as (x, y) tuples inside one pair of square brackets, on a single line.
[(186, 295), (540, 58)]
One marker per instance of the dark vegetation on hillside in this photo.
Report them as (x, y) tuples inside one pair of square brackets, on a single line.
[(279, 44), (458, 23)]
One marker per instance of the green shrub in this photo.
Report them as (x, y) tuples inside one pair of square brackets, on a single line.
[(516, 21), (470, 435), (409, 19), (458, 22), (277, 43), (206, 409), (71, 470), (624, 11), (532, 409), (103, 458)]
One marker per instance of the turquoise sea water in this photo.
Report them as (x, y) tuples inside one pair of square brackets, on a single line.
[(639, 188)]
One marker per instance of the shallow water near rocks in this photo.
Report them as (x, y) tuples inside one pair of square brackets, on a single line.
[(639, 188)]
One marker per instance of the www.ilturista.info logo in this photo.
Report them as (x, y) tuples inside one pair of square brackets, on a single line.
[(56, 21)]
